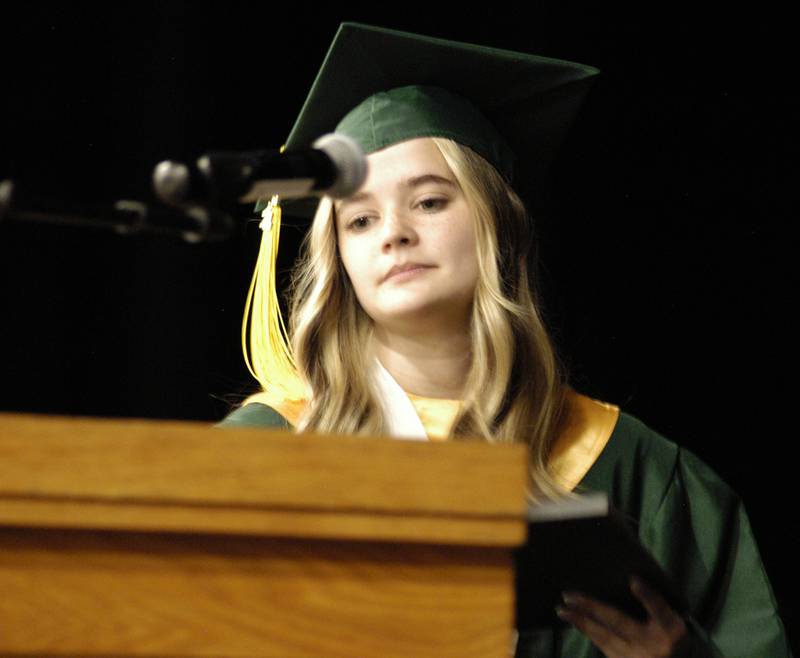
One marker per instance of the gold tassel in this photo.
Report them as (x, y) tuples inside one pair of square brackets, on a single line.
[(269, 358)]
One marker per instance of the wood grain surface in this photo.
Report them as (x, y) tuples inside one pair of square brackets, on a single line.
[(74, 593), (139, 475), (175, 539)]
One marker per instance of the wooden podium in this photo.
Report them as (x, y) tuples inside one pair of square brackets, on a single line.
[(172, 539)]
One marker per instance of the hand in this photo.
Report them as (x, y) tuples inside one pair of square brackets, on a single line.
[(662, 635)]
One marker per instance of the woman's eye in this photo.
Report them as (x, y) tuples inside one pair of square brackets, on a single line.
[(358, 223), (432, 204)]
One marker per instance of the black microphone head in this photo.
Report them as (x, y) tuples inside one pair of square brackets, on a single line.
[(349, 160), (171, 181)]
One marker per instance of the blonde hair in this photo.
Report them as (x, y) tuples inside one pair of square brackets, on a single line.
[(514, 389)]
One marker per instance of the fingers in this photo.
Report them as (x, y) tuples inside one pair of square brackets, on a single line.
[(608, 616), (576, 613), (617, 634), (658, 609)]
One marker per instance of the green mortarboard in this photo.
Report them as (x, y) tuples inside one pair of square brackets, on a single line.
[(382, 86)]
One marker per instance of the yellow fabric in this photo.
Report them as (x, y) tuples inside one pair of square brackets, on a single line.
[(437, 415), (586, 430), (267, 353)]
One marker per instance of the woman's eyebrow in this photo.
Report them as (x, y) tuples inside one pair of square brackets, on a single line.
[(353, 198), (414, 181), (428, 178)]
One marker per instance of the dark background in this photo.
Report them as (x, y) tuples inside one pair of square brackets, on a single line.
[(666, 248)]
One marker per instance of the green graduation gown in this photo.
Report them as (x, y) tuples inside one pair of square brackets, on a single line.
[(693, 524)]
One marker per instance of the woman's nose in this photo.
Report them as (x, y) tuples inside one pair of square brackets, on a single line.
[(397, 230)]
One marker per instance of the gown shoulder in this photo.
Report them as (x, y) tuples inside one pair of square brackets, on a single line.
[(254, 414)]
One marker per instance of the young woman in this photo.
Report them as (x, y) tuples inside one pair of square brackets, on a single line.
[(413, 314)]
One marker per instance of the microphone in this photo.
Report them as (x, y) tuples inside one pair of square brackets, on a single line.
[(335, 165)]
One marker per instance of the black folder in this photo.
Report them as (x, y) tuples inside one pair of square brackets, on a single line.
[(583, 544)]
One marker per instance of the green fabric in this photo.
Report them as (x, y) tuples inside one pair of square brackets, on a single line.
[(697, 529), (394, 116), (254, 415), (528, 101), (691, 522)]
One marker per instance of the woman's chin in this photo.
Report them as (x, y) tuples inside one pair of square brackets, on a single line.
[(423, 317)]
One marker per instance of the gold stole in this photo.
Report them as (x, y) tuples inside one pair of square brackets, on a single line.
[(586, 431)]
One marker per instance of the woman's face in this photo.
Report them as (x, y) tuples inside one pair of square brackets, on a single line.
[(407, 240)]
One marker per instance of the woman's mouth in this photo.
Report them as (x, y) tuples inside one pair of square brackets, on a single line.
[(406, 271)]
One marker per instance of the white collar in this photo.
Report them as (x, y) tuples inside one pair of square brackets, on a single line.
[(401, 417)]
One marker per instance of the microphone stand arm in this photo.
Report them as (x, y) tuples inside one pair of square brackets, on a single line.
[(194, 224)]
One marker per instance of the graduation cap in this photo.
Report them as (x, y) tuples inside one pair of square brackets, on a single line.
[(381, 87)]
